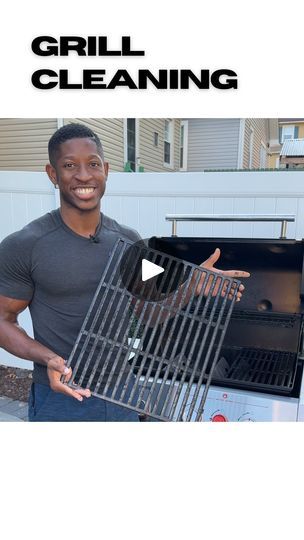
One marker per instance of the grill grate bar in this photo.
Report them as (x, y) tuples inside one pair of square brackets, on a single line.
[(138, 350)]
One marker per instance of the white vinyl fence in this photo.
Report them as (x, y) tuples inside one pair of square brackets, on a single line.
[(141, 200)]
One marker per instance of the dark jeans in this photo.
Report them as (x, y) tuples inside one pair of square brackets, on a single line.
[(45, 405)]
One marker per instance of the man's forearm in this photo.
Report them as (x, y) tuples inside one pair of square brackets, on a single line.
[(15, 340)]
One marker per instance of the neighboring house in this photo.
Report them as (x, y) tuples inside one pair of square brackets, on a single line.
[(129, 143), (151, 144), (227, 143), (292, 154), (288, 128)]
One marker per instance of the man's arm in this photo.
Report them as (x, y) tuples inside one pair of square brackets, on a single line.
[(15, 340)]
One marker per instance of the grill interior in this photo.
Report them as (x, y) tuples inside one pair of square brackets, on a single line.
[(261, 347)]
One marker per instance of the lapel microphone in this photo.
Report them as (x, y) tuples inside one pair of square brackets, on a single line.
[(94, 239)]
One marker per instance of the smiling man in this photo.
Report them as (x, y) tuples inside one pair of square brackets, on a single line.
[(53, 266)]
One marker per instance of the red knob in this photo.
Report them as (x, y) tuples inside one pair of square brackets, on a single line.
[(219, 418)]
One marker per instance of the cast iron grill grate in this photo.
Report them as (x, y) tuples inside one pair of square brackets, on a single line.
[(263, 369), (131, 347)]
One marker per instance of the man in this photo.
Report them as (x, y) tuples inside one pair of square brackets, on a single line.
[(53, 266)]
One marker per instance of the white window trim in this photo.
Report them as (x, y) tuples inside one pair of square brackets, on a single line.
[(263, 145), (185, 147), (137, 158), (240, 162), (251, 147), (171, 164)]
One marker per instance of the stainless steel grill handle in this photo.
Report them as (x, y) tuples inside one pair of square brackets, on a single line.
[(229, 217)]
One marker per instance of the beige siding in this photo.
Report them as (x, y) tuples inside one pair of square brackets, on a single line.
[(111, 134), (260, 133), (152, 157), (213, 143), (23, 143)]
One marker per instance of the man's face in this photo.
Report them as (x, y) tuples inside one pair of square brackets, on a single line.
[(80, 174)]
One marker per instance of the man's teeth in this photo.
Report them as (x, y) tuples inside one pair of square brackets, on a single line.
[(84, 190)]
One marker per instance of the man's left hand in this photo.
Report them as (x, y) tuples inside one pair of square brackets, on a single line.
[(209, 265)]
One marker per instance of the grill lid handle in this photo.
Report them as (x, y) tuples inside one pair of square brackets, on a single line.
[(230, 217)]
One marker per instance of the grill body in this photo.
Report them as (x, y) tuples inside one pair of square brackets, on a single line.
[(261, 355)]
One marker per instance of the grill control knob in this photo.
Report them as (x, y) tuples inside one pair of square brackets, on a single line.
[(219, 418), (246, 418)]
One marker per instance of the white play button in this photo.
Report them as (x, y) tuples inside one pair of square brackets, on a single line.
[(149, 270)]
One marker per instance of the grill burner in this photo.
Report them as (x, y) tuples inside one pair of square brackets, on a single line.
[(124, 358)]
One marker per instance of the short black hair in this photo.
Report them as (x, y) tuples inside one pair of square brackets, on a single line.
[(71, 131)]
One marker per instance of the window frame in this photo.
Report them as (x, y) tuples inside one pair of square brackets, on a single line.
[(136, 142), (170, 141), (184, 128)]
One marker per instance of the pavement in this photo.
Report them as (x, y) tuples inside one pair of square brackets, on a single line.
[(12, 410)]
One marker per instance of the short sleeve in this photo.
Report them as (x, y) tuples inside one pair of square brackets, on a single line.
[(15, 268), (133, 235)]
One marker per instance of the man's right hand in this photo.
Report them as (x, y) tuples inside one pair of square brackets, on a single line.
[(59, 374)]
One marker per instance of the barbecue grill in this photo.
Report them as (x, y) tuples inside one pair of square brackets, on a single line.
[(259, 372), (153, 346)]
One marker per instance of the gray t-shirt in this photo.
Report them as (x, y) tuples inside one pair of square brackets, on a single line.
[(57, 271)]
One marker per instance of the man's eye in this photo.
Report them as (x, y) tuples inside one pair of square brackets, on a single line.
[(68, 165), (94, 164)]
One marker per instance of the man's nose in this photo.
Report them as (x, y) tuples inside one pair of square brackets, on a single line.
[(83, 173)]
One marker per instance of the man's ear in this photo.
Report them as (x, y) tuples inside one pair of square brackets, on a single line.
[(51, 172), (106, 168)]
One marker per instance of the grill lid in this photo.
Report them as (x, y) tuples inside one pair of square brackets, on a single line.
[(276, 284)]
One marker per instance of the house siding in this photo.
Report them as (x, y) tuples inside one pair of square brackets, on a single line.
[(111, 134), (260, 134), (213, 143), (152, 157), (23, 143)]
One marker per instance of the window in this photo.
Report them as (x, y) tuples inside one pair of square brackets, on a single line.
[(155, 138), (168, 143), (130, 142), (288, 132)]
